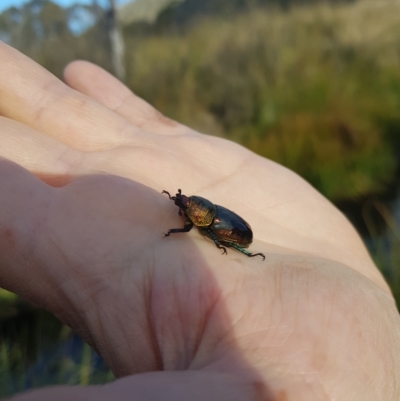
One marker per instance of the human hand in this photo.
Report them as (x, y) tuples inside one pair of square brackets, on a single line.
[(84, 239)]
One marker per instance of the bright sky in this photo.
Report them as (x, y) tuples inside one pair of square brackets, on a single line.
[(9, 3)]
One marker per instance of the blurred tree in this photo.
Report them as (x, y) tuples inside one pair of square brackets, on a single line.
[(53, 35), (116, 41)]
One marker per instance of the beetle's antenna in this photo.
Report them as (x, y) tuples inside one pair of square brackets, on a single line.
[(166, 192)]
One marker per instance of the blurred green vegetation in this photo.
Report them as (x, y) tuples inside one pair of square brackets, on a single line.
[(37, 350), (316, 89)]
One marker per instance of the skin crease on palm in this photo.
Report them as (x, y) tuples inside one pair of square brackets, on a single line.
[(82, 218)]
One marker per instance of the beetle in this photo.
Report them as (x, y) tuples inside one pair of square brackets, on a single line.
[(223, 226)]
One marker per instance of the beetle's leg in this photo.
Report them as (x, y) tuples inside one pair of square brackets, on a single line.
[(216, 242), (250, 255), (186, 228)]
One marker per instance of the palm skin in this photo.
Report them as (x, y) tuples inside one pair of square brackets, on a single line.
[(84, 239)]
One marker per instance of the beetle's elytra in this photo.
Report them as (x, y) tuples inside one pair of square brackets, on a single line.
[(223, 226)]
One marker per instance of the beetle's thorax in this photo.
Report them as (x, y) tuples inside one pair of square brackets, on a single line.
[(200, 211)]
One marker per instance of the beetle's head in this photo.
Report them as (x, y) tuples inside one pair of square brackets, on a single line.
[(182, 201)]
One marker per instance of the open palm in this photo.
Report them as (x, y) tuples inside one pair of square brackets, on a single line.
[(84, 239)]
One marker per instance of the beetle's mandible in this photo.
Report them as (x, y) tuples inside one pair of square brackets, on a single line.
[(225, 228)]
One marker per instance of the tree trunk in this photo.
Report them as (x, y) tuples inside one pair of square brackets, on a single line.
[(116, 41)]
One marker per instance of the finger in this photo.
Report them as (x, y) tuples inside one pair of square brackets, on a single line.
[(93, 81), (33, 96), (49, 159), (57, 163)]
